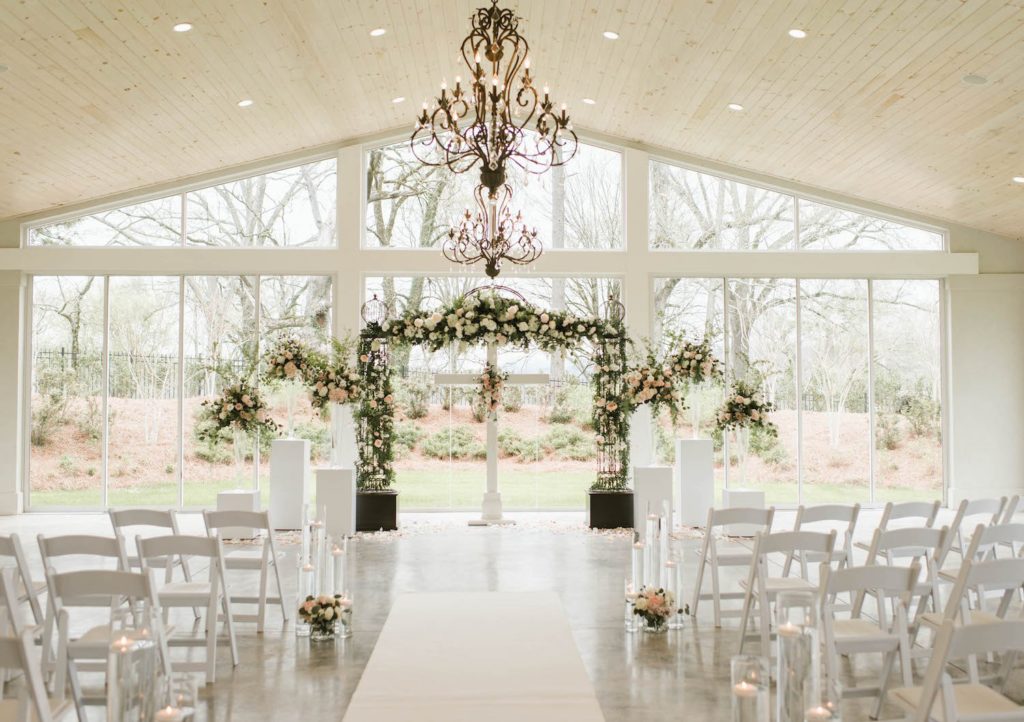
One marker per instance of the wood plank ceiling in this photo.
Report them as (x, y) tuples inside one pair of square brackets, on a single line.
[(100, 96)]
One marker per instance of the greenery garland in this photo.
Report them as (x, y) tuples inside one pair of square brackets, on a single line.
[(375, 415)]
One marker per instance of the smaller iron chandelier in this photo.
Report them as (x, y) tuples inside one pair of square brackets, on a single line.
[(492, 235)]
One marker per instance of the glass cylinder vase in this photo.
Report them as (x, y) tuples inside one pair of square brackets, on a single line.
[(238, 452), (751, 693), (742, 440), (799, 669), (131, 679)]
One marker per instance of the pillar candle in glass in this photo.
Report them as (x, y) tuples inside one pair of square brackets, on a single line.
[(751, 697), (664, 533), (671, 583), (131, 679), (307, 588), (798, 655), (652, 567), (630, 618), (828, 707), (639, 559), (338, 563)]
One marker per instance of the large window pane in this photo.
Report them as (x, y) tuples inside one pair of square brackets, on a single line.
[(575, 206), (150, 223), (697, 211), (66, 458), (834, 348), (824, 227), (220, 348), (291, 208), (297, 306), (762, 351), (908, 377), (694, 308), (142, 407)]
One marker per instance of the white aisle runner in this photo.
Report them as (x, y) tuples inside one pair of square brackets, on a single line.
[(478, 656)]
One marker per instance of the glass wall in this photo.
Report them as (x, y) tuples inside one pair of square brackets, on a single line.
[(811, 340), (211, 327)]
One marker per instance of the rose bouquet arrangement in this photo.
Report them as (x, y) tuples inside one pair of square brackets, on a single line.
[(240, 407), (655, 605), (291, 359), (694, 362), (492, 384), (323, 612), (338, 385), (654, 384), (744, 407)]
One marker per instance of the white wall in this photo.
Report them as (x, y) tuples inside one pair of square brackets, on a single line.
[(986, 320)]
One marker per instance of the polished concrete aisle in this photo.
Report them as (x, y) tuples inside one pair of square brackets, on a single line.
[(682, 674)]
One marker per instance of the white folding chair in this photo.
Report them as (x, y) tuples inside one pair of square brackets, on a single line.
[(761, 587), (260, 560), (969, 514), (941, 700), (902, 547), (888, 635), (910, 514), (715, 557), (211, 594), (32, 702), (26, 590), (85, 591), (843, 515), (69, 553)]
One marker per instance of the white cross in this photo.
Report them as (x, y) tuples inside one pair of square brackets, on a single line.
[(491, 507)]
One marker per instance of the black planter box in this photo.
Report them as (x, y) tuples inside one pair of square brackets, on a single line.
[(376, 510), (610, 509)]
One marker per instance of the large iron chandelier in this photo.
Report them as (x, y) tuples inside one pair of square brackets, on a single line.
[(500, 119)]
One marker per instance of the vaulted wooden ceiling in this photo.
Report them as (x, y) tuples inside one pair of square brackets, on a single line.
[(101, 96)]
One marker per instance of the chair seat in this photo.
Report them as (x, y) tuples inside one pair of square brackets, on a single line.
[(184, 593), (857, 629), (9, 709), (785, 584), (971, 700), (934, 619), (245, 559), (735, 558)]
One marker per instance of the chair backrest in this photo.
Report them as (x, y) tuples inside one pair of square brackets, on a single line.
[(159, 518), (953, 642), (215, 520), (1011, 509), (908, 543), (98, 587), (843, 513), (81, 545), (926, 511), (986, 537), (894, 585), (787, 542), (1006, 575), (17, 653), (10, 547), (741, 515), (9, 598), (178, 545)]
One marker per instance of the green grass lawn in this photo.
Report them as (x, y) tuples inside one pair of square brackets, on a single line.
[(462, 489)]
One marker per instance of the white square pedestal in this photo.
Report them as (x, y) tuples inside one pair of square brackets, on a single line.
[(695, 480), (238, 500), (641, 437), (289, 482), (750, 498), (652, 487), (336, 497)]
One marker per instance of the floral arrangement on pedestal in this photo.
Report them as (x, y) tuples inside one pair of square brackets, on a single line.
[(744, 407), (492, 384), (323, 614), (240, 407), (291, 359), (655, 606)]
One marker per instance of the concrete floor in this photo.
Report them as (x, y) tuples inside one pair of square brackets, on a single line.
[(281, 677)]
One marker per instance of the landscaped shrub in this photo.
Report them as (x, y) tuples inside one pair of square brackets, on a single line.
[(414, 397), (512, 399), (563, 410), (923, 413), (567, 442), (51, 412), (889, 431), (479, 409), (456, 443), (514, 445), (406, 436)]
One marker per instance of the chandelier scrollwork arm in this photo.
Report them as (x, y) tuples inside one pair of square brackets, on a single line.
[(492, 235)]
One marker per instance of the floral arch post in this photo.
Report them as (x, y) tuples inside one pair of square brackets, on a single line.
[(488, 318)]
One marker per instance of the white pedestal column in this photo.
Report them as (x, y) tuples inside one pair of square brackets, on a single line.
[(336, 500), (12, 299), (238, 500), (343, 435), (749, 498), (289, 482), (652, 487), (695, 480), (490, 507)]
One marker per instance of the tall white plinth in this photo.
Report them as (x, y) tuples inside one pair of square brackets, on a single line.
[(641, 437), (695, 480), (289, 482), (336, 500), (652, 487), (238, 500), (749, 498), (343, 437)]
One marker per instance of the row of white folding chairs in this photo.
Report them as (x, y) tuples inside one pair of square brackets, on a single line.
[(844, 519)]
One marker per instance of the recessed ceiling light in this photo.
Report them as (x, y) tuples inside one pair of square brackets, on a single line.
[(973, 79), (399, 99), (377, 32), (182, 27), (245, 103), (797, 33), (611, 34), (1018, 179), (736, 107), (589, 101)]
